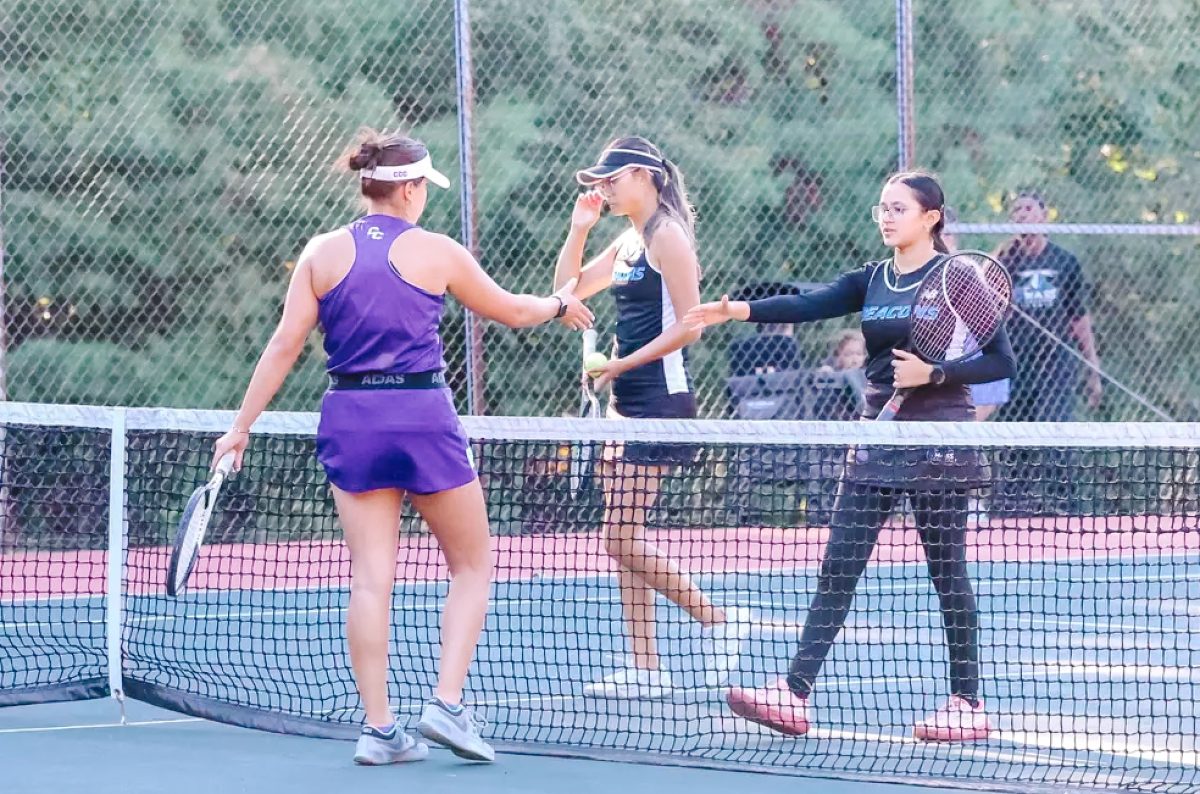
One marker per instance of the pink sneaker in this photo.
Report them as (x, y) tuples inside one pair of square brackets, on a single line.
[(775, 706), (957, 721)]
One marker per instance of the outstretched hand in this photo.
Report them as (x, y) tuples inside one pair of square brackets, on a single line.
[(703, 315), (578, 317)]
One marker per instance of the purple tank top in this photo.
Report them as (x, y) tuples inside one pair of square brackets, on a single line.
[(374, 320)]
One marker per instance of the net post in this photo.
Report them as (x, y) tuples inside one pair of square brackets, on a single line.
[(114, 601)]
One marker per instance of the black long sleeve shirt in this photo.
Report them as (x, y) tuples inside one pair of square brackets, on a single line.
[(885, 299)]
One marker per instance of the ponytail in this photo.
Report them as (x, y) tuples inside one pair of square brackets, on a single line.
[(939, 244), (672, 202)]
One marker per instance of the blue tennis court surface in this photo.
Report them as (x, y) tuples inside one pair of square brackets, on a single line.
[(1088, 673)]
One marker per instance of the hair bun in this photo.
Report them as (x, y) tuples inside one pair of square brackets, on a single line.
[(365, 157)]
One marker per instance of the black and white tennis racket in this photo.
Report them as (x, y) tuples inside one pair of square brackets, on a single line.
[(193, 526), (959, 307), (589, 408)]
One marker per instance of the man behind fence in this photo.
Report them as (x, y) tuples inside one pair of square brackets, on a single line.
[(1049, 287)]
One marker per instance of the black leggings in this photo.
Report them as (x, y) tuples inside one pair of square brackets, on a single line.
[(858, 515)]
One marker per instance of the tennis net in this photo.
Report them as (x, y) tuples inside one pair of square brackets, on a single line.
[(1083, 551)]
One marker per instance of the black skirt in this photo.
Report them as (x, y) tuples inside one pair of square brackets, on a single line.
[(659, 406), (920, 467)]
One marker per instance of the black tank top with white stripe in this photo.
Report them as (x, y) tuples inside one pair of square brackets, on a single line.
[(644, 311)]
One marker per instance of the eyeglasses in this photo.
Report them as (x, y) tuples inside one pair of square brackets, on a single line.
[(605, 185), (880, 211)]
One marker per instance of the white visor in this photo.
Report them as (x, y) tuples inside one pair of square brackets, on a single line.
[(403, 173)]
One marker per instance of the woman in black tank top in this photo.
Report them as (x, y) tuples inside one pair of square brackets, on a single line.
[(654, 276), (910, 218)]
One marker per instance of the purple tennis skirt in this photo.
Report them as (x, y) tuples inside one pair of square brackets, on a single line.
[(393, 438)]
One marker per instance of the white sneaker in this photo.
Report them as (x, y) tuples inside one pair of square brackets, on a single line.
[(376, 748), (722, 646), (631, 683), (459, 732)]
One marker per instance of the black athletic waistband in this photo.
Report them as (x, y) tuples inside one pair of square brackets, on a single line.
[(359, 381)]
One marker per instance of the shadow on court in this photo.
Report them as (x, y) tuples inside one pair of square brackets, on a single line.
[(78, 747)]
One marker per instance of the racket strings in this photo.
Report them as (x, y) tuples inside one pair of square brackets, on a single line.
[(978, 294), (960, 307)]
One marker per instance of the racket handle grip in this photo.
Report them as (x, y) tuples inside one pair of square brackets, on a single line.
[(589, 341), (888, 412), (225, 464)]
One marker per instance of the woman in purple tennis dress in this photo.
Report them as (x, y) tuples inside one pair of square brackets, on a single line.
[(388, 425)]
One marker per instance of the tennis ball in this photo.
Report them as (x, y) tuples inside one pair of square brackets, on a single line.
[(594, 361)]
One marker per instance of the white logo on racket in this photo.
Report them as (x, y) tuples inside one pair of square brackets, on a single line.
[(375, 233), (929, 294)]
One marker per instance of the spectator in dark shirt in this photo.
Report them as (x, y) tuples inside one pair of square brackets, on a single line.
[(838, 387), (1049, 286)]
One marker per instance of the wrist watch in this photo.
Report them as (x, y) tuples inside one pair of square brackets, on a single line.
[(937, 376), (562, 306)]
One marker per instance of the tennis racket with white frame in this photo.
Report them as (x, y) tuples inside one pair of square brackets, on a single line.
[(189, 538), (589, 408), (957, 310)]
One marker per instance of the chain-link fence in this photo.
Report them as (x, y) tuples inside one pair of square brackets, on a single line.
[(1085, 105), (164, 162)]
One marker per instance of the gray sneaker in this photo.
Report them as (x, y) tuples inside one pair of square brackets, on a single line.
[(376, 748), (458, 732)]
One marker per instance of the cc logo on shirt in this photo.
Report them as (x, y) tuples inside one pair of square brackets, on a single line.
[(375, 233)]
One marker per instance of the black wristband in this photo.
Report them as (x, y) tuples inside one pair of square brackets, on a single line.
[(562, 306)]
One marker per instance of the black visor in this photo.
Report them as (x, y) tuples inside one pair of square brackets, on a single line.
[(614, 161)]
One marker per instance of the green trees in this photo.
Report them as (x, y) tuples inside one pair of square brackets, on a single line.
[(164, 168), (165, 162)]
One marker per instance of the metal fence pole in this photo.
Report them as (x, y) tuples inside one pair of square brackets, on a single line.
[(4, 478), (3, 312), (904, 84), (465, 88)]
